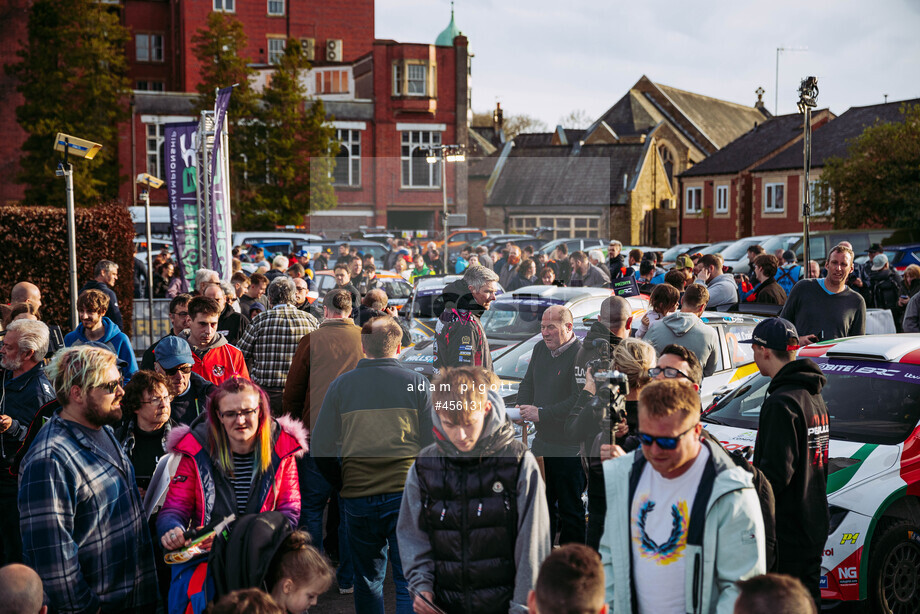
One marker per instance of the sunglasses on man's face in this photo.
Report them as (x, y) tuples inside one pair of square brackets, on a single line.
[(110, 387), (184, 369), (665, 443)]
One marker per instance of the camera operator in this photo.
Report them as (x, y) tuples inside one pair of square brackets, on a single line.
[(632, 358), (612, 325)]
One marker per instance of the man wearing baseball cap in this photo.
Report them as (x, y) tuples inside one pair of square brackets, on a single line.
[(190, 391), (791, 450)]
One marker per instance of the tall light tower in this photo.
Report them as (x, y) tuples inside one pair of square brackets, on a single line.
[(80, 148), (444, 154), (808, 99)]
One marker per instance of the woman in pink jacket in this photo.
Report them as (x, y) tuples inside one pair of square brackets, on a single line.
[(237, 461)]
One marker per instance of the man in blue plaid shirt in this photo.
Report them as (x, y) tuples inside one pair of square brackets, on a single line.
[(268, 345), (82, 520)]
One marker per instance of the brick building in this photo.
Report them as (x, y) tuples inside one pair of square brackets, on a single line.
[(387, 100), (717, 193)]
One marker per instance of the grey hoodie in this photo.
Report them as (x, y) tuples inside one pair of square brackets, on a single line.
[(533, 539), (722, 291), (687, 330)]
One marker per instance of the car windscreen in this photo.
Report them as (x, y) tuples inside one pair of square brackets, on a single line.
[(867, 401), (738, 250), (782, 242), (670, 255), (396, 288), (517, 319), (513, 363)]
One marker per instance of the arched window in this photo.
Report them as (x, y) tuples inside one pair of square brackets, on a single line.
[(667, 160)]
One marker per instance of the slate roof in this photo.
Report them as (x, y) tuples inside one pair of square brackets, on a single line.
[(719, 120), (553, 176), (747, 149), (833, 139), (545, 139), (479, 167)]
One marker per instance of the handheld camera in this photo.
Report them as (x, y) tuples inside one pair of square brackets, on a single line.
[(609, 403)]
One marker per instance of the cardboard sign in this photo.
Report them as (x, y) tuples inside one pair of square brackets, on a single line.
[(625, 287)]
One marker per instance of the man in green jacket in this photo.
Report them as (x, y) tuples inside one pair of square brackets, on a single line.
[(683, 521)]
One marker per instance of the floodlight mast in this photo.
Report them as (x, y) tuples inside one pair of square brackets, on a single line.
[(148, 181), (67, 169), (808, 99)]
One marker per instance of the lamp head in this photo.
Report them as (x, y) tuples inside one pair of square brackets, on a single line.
[(150, 181), (76, 146)]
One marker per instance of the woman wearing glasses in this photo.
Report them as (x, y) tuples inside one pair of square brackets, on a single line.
[(146, 424), (238, 460)]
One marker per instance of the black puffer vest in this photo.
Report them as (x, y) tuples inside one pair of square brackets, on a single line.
[(470, 514)]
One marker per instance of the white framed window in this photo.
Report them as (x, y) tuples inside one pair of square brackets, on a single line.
[(563, 226), (276, 7), (774, 200), (721, 199), (156, 150), (348, 161), (149, 47), (276, 50), (417, 84), (397, 79), (416, 171), (225, 6), (693, 203), (821, 197)]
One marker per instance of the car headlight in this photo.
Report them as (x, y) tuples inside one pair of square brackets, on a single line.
[(837, 515)]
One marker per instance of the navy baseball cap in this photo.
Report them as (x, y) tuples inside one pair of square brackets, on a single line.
[(775, 333), (172, 351)]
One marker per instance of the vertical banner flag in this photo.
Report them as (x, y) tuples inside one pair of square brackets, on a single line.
[(181, 182), (220, 191)]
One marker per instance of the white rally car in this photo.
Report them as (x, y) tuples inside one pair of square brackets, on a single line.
[(872, 395)]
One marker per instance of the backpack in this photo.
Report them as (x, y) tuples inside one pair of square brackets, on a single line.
[(764, 495), (786, 277), (885, 293)]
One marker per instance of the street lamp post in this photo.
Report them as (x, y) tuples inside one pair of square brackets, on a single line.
[(149, 182), (444, 154), (81, 148), (808, 95)]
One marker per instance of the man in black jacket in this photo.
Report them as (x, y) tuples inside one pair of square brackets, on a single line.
[(546, 396), (792, 450), (459, 339), (230, 324)]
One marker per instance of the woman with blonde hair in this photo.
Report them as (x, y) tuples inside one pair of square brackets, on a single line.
[(238, 461)]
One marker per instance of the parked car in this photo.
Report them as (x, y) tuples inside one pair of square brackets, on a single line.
[(512, 317), (735, 361), (715, 248), (461, 236), (820, 243), (398, 289), (735, 255), (899, 256), (872, 394), (250, 237), (783, 241), (379, 250), (669, 257), (574, 245)]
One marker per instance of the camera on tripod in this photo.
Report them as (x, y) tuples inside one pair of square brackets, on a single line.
[(609, 402)]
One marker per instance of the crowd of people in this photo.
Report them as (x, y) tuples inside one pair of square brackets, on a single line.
[(269, 448)]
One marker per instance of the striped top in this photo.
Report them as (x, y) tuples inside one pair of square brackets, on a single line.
[(242, 479)]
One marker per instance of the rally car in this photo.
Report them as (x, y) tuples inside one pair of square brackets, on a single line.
[(735, 360), (872, 552)]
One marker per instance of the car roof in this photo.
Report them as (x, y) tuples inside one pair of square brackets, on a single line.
[(899, 348), (563, 294)]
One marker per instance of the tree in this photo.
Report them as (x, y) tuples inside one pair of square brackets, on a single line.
[(879, 180), (516, 124), (290, 172), (218, 47), (72, 74), (577, 119)]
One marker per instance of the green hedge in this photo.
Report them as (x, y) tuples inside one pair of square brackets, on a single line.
[(33, 247)]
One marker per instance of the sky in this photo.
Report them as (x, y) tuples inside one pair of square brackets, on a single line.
[(547, 58)]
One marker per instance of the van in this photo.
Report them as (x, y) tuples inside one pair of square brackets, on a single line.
[(820, 243), (255, 236)]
